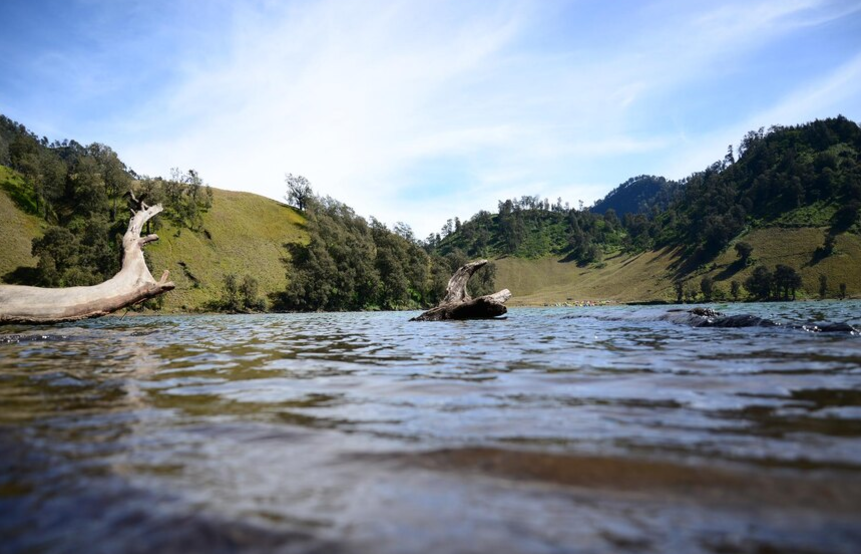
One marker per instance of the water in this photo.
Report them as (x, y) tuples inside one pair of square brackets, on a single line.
[(555, 430)]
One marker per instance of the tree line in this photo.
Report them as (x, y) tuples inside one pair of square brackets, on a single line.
[(350, 263)]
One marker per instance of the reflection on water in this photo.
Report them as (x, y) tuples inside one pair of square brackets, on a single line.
[(555, 430)]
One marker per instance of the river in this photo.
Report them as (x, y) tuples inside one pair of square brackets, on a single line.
[(597, 429)]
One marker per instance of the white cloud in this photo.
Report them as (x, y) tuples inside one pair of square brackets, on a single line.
[(361, 97)]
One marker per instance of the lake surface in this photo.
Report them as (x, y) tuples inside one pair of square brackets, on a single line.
[(554, 430)]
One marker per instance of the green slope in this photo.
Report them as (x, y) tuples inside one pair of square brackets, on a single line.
[(17, 228), (650, 275), (243, 234)]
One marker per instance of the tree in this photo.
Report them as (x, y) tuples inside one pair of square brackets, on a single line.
[(299, 191), (759, 284), (690, 294), (735, 290), (823, 286), (240, 296), (846, 216), (115, 176), (679, 287), (57, 251), (707, 287), (404, 231), (744, 250), (53, 175), (786, 281), (842, 291), (230, 295), (188, 197), (88, 186)]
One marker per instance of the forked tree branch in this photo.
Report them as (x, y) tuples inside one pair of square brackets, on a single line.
[(133, 284), (457, 303)]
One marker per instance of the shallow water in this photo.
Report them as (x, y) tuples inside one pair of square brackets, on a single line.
[(554, 430)]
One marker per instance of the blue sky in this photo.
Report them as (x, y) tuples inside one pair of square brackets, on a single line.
[(422, 111)]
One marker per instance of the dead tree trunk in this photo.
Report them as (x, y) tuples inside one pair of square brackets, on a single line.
[(457, 304), (133, 284)]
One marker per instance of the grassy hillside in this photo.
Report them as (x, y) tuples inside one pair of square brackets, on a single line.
[(795, 247), (243, 234), (620, 278), (650, 275), (17, 227)]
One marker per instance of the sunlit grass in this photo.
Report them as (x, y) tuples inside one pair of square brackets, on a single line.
[(649, 275), (242, 234), (17, 227)]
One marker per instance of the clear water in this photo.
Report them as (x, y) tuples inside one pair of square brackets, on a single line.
[(554, 430)]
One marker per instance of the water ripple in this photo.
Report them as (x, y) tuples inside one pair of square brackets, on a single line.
[(318, 428)]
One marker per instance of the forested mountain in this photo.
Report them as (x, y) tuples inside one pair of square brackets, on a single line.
[(808, 175), (803, 175), (530, 228), (645, 194)]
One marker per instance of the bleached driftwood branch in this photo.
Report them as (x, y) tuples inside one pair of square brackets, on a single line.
[(133, 284), (457, 303)]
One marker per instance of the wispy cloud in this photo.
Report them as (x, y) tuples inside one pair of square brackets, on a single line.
[(422, 111), (818, 99)]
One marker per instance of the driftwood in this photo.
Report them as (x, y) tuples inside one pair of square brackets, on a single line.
[(133, 284), (457, 304)]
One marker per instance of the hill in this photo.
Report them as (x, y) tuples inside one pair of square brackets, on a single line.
[(242, 234), (790, 202), (652, 275), (793, 195), (639, 195), (226, 251)]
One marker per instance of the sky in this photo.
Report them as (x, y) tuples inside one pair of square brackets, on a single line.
[(423, 111)]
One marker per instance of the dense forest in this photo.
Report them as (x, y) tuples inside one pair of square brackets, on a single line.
[(349, 263), (645, 194), (806, 175)]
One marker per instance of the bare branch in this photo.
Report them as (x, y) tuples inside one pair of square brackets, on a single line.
[(457, 303), (133, 284)]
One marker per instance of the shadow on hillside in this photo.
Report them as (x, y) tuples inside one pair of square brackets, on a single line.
[(571, 258), (818, 255), (568, 258), (21, 198), (21, 275), (686, 265), (730, 270)]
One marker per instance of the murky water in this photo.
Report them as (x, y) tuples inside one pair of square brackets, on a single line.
[(555, 430)]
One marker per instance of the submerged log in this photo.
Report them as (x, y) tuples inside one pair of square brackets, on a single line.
[(133, 284), (457, 303)]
